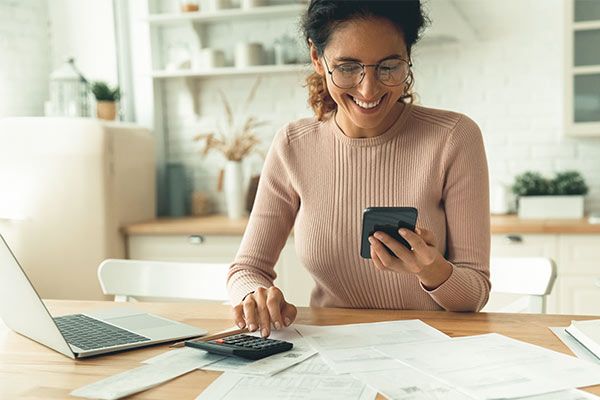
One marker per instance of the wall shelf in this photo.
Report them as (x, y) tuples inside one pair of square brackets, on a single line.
[(231, 71), (227, 14)]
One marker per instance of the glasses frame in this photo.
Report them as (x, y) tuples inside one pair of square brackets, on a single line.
[(363, 73)]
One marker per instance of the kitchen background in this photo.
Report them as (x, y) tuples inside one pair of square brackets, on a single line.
[(505, 63), (507, 73)]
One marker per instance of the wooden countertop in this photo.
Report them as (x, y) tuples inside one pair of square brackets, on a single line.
[(30, 370), (220, 224)]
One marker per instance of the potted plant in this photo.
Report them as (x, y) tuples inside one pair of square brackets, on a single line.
[(560, 197), (106, 100), (235, 141)]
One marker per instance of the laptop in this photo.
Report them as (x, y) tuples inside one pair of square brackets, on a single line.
[(78, 335)]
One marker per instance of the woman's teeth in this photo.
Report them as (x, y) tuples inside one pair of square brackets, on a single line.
[(366, 105)]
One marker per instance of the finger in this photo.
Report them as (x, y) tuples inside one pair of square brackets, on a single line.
[(249, 306), (395, 246), (264, 319), (289, 313), (427, 236), (238, 316), (376, 260), (274, 305), (416, 242)]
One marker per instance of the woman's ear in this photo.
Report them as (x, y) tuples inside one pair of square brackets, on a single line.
[(314, 57)]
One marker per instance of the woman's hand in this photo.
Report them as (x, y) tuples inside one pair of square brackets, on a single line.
[(261, 308), (423, 260)]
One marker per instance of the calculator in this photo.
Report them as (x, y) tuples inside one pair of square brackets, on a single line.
[(246, 346)]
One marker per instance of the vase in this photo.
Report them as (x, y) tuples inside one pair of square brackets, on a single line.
[(234, 189), (107, 110)]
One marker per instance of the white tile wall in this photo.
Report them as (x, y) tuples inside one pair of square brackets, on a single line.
[(510, 81), (24, 57)]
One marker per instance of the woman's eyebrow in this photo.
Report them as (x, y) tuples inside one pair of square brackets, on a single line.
[(351, 59)]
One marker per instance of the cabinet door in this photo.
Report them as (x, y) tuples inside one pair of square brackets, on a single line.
[(294, 280), (580, 294), (579, 254), (187, 248)]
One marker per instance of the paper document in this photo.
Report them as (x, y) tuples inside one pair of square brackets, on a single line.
[(349, 348), (493, 366), (309, 380), (161, 369), (577, 348), (406, 383)]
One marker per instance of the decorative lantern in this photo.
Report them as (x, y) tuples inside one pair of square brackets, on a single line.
[(69, 91)]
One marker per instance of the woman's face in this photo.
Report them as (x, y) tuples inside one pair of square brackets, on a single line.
[(370, 108)]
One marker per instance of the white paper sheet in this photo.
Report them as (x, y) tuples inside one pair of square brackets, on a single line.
[(309, 380), (576, 347), (406, 383), (349, 348), (161, 369), (494, 366), (572, 394)]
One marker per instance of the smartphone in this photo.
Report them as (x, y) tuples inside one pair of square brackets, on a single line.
[(388, 220)]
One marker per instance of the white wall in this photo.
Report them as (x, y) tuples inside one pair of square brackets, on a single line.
[(509, 80), (84, 30), (24, 57)]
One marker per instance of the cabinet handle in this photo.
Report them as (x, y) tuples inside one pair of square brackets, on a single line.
[(513, 239), (195, 239)]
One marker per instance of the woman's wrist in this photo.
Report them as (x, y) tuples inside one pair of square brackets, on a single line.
[(435, 274)]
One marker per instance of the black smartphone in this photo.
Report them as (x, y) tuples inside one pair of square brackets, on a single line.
[(388, 220)]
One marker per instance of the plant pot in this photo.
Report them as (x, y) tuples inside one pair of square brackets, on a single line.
[(107, 110), (551, 206), (234, 189)]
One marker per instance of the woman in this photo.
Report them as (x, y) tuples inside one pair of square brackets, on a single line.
[(368, 146)]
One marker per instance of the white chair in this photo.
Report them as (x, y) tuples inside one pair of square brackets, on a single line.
[(130, 280), (530, 277)]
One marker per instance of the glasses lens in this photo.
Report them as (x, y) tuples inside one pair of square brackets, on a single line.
[(347, 75), (393, 72)]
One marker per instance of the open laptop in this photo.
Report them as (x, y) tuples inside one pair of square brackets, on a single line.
[(78, 335)]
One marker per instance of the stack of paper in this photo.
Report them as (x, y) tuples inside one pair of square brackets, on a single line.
[(587, 333)]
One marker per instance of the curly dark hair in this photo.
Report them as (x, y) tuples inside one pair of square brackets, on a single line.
[(323, 17)]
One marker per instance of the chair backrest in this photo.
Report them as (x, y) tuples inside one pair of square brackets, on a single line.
[(128, 280), (532, 277)]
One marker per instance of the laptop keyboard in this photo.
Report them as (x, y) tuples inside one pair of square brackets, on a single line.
[(89, 333)]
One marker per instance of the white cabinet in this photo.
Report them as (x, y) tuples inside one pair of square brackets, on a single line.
[(582, 67)]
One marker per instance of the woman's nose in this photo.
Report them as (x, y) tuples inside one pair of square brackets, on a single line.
[(368, 86)]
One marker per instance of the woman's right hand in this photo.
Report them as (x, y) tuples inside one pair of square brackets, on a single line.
[(262, 308)]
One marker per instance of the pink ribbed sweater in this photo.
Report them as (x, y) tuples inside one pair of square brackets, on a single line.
[(318, 181)]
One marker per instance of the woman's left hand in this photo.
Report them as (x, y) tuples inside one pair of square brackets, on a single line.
[(423, 260)]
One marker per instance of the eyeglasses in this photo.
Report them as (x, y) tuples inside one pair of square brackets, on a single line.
[(390, 72)]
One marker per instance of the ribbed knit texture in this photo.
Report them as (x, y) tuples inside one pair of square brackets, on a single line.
[(318, 181)]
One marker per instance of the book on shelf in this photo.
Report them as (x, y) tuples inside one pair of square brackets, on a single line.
[(587, 333)]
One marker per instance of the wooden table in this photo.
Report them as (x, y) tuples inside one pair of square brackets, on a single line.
[(31, 371)]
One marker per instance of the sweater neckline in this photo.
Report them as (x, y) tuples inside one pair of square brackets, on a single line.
[(392, 132)]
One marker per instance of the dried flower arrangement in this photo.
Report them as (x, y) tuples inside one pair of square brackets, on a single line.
[(237, 141)]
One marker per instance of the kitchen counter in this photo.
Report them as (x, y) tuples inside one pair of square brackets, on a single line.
[(220, 224)]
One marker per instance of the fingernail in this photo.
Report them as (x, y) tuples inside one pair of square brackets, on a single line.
[(371, 240), (378, 235), (264, 332), (402, 231), (252, 328), (287, 321), (277, 325), (240, 324)]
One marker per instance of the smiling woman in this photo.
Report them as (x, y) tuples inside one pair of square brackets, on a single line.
[(368, 146)]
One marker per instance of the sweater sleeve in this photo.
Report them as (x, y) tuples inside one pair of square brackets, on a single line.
[(466, 203), (273, 215)]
